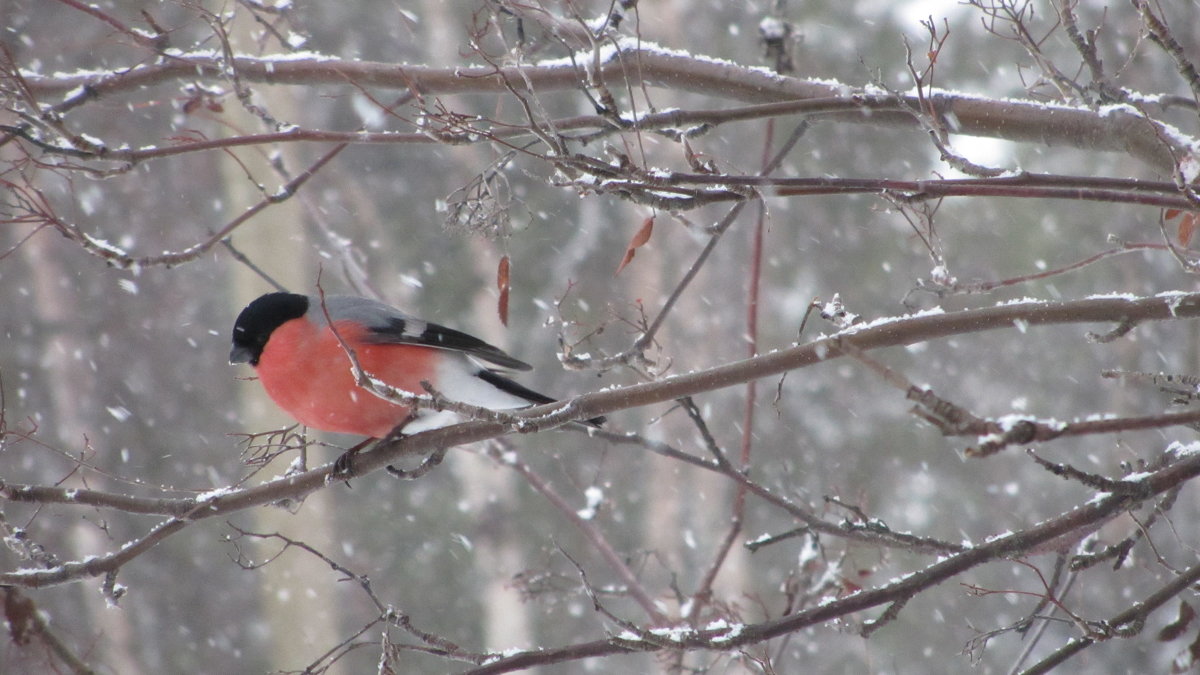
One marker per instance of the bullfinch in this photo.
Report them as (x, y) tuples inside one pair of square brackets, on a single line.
[(287, 338)]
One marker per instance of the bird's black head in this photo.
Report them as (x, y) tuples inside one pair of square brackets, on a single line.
[(260, 318)]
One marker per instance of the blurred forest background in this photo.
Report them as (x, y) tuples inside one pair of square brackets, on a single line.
[(114, 376)]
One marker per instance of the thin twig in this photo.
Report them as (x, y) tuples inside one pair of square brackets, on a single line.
[(633, 585)]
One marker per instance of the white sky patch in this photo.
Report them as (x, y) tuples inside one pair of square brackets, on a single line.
[(910, 14), (368, 111), (989, 152), (993, 153)]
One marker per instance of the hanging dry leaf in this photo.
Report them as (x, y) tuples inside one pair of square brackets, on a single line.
[(639, 239), (19, 614), (1187, 227), (502, 283), (1179, 626)]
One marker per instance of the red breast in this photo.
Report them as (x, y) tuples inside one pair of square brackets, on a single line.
[(307, 373)]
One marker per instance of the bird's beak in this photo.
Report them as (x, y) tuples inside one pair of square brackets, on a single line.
[(242, 354)]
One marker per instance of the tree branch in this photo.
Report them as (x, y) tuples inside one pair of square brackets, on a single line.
[(1118, 129)]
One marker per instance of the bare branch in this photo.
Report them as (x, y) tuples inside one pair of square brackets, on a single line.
[(1009, 544), (1013, 120), (1124, 624), (1161, 35)]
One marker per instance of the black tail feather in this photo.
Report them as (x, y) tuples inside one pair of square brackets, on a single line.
[(510, 387)]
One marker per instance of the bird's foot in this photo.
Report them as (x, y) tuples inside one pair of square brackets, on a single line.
[(343, 466)]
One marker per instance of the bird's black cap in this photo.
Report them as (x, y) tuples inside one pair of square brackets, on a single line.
[(259, 319)]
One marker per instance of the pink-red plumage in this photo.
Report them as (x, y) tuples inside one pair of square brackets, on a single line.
[(307, 373)]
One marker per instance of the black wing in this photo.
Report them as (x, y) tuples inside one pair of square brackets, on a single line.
[(411, 331), (388, 325)]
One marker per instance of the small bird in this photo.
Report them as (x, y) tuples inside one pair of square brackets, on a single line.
[(307, 372)]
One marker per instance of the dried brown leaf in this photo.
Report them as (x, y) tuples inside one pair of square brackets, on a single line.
[(19, 615), (640, 238), (502, 283), (1179, 626), (1187, 227)]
